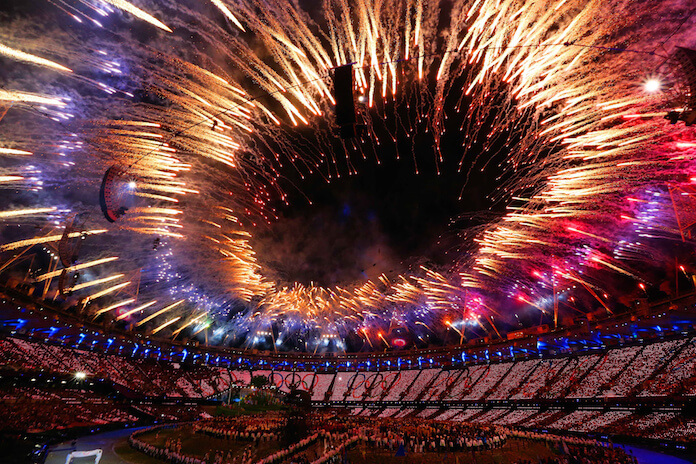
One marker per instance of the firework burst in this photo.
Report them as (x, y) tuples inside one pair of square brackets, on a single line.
[(206, 119)]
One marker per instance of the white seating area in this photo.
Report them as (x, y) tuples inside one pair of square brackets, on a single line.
[(542, 418), (467, 414), (186, 387), (649, 358), (650, 421), (443, 383), (514, 378), (492, 375), (426, 413), (517, 416), (654, 370), (420, 384), (545, 371), (389, 412), (667, 426), (601, 420), (611, 365), (612, 373), (240, 377), (679, 369), (340, 386), (467, 379), (402, 382), (322, 382), (380, 384), (222, 380), (447, 414), (285, 380), (36, 409), (360, 384), (685, 431), (571, 373)]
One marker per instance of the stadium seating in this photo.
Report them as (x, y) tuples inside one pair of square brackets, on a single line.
[(664, 368)]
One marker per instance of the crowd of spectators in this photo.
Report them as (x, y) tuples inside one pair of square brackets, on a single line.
[(424, 436), (586, 455), (668, 426), (545, 370), (660, 369), (26, 409), (321, 384), (679, 369), (334, 433), (576, 450), (421, 384), (401, 383), (149, 377), (173, 452), (513, 380), (598, 378), (247, 431)]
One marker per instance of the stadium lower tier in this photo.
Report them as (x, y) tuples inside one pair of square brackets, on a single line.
[(34, 410), (644, 390)]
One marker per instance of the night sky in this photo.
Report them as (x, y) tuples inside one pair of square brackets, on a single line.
[(390, 217)]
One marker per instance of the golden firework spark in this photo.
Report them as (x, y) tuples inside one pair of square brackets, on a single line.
[(26, 212), (29, 58), (158, 313), (135, 310), (166, 324), (114, 306), (138, 13), (77, 267)]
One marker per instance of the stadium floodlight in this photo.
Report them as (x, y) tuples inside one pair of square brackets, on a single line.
[(80, 375)]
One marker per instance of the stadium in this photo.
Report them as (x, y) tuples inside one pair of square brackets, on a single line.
[(276, 232)]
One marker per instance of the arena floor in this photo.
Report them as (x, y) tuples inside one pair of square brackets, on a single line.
[(116, 451)]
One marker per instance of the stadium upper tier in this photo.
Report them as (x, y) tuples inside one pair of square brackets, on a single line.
[(29, 320), (649, 355)]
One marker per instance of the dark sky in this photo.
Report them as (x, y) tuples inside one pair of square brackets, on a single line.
[(386, 218)]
